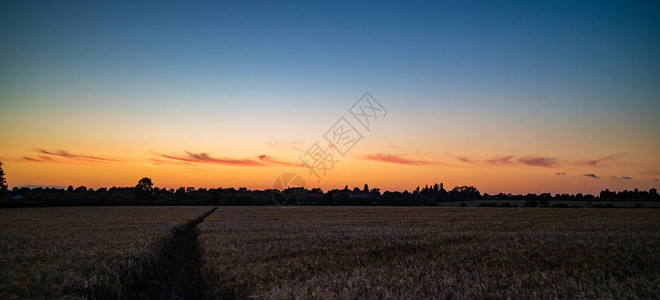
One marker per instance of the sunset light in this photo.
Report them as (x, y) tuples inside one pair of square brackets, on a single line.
[(510, 98)]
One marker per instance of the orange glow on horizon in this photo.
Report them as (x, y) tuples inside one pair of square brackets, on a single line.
[(491, 175)]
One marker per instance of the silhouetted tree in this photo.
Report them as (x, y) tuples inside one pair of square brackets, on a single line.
[(465, 193), (3, 180), (180, 194), (215, 197), (144, 190), (145, 184), (4, 195)]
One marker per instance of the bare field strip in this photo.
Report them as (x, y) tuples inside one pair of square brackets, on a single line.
[(419, 253), (81, 252)]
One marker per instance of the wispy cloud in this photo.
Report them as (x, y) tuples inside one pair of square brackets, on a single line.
[(560, 173), (173, 164), (31, 159), (510, 160), (169, 162), (205, 158), (47, 159), (606, 160), (592, 176), (538, 161), (466, 159), (272, 160), (390, 158), (66, 157), (541, 161), (622, 177), (501, 160), (66, 154)]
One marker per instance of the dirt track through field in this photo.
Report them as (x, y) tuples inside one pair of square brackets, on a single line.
[(179, 276)]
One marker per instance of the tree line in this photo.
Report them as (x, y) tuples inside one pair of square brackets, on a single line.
[(145, 193)]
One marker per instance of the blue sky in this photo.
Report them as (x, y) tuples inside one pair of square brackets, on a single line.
[(499, 44)]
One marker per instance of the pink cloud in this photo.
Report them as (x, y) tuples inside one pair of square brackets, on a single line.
[(501, 160), (65, 157), (389, 158), (205, 158), (272, 160), (466, 159), (604, 161), (538, 161), (68, 155)]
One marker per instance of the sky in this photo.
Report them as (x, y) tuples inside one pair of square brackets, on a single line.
[(513, 97)]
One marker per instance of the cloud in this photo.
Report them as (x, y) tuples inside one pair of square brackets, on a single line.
[(560, 173), (389, 158), (466, 159), (592, 176), (205, 158), (272, 160), (66, 157), (538, 161), (614, 177), (31, 159), (170, 162), (604, 161), (626, 178), (66, 154), (508, 160), (656, 179), (501, 160), (48, 159), (189, 158)]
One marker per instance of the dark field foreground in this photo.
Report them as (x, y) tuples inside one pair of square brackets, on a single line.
[(418, 253), (85, 252)]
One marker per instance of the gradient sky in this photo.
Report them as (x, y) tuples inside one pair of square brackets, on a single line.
[(516, 97)]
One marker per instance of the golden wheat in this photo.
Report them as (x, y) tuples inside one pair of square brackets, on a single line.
[(81, 252), (419, 253)]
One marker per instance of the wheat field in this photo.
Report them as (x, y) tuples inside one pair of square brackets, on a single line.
[(81, 252), (330, 252), (420, 253)]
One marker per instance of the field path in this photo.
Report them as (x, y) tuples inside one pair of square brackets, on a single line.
[(179, 276)]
